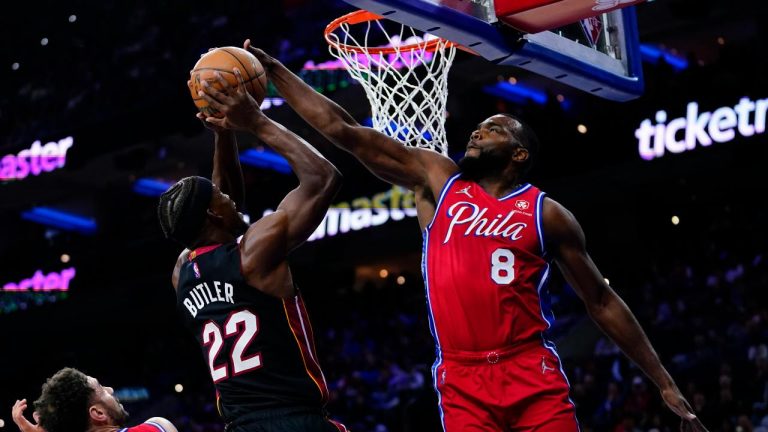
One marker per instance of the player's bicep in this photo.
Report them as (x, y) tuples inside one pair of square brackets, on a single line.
[(304, 209), (263, 246), (567, 243), (386, 157)]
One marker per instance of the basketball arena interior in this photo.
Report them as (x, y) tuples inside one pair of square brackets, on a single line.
[(670, 188)]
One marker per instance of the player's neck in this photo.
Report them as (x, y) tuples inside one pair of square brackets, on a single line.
[(216, 237), (499, 186)]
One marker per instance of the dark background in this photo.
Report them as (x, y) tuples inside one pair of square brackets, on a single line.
[(114, 79)]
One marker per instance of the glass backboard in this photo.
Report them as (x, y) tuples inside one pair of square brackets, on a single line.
[(599, 54)]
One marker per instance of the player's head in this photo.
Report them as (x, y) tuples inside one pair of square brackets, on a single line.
[(501, 143), (74, 402), (194, 208)]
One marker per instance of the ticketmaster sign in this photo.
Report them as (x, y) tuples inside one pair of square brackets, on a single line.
[(700, 128)]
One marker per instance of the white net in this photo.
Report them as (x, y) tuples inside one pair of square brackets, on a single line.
[(406, 80)]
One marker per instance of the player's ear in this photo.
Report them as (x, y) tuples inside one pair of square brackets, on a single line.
[(521, 154), (98, 414)]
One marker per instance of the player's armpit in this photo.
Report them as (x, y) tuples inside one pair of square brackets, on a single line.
[(263, 253), (565, 241)]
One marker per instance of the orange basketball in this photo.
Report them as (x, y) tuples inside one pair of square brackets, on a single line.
[(224, 60)]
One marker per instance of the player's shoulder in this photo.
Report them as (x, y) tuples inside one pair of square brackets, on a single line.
[(183, 256), (154, 424), (558, 222)]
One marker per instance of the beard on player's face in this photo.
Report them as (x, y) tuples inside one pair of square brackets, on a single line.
[(118, 414), (487, 163)]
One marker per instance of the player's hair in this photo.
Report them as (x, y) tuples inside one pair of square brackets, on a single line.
[(182, 209), (528, 139), (64, 402)]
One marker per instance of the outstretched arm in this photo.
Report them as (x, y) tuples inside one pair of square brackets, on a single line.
[(566, 241), (268, 241), (385, 157)]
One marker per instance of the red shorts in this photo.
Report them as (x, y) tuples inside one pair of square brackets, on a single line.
[(520, 389)]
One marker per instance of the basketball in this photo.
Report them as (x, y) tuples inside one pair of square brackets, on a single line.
[(224, 60)]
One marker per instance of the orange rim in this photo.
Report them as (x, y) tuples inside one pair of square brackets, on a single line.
[(362, 16)]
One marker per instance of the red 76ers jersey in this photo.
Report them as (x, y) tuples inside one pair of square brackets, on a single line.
[(484, 268)]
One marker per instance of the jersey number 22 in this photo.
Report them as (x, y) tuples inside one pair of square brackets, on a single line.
[(244, 324)]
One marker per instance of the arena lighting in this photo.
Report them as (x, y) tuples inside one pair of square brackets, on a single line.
[(518, 93), (132, 394), (391, 59), (393, 126), (60, 219), (361, 213), (40, 282), (383, 273), (652, 54), (35, 160), (703, 128), (270, 102), (150, 187), (265, 159)]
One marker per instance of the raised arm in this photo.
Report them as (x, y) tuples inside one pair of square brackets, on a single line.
[(385, 157), (565, 240), (227, 172), (267, 242)]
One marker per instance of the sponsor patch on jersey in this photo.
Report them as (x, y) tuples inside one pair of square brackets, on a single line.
[(522, 204)]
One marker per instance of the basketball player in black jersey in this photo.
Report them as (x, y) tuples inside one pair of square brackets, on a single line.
[(233, 285)]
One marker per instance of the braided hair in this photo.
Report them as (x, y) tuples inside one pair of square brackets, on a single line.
[(182, 209)]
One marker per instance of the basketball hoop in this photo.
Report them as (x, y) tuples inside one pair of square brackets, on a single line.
[(404, 73)]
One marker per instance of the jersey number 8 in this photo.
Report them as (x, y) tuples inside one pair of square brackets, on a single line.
[(503, 266)]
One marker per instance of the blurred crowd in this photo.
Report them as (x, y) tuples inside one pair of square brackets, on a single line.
[(706, 314)]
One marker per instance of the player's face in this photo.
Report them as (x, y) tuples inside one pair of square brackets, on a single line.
[(225, 207), (105, 397), (495, 137), (491, 148)]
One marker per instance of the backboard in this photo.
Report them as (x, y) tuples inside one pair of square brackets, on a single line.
[(599, 54)]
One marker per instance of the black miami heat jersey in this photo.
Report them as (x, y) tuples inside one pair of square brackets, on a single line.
[(259, 349)]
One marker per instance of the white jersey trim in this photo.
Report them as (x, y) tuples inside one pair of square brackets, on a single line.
[(446, 186), (540, 223), (517, 191), (157, 425)]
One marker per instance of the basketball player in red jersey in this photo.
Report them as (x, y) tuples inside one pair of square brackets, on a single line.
[(74, 402), (489, 239)]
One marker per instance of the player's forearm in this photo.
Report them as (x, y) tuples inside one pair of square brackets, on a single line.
[(616, 320), (227, 172), (322, 113), (312, 169)]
